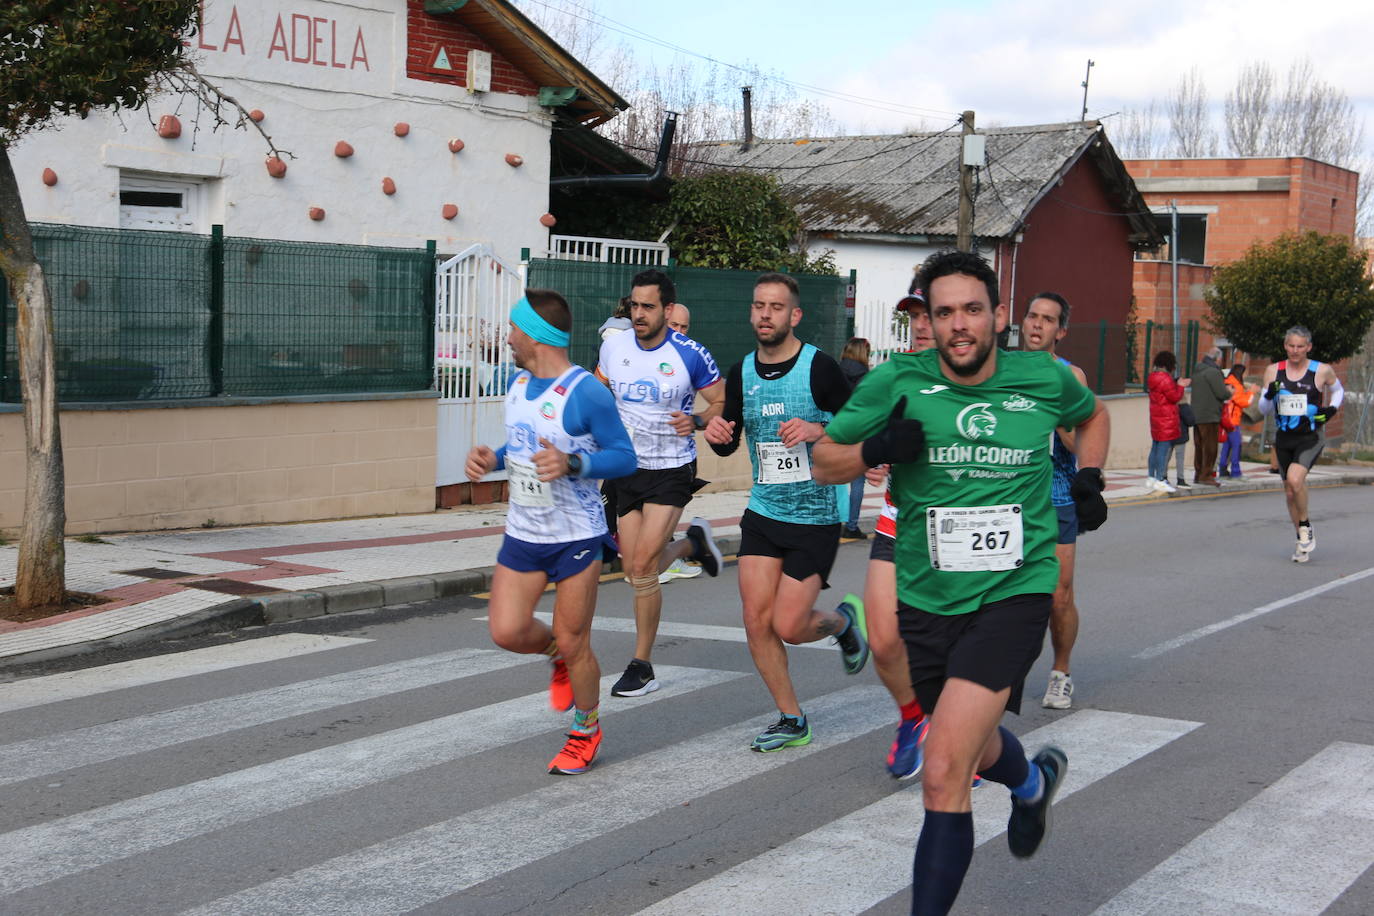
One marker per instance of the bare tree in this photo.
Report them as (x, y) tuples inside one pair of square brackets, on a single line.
[(1137, 133), (1190, 119), (1247, 109)]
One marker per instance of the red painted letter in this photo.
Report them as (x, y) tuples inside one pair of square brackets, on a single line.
[(359, 52), (317, 39), (334, 46), (234, 34), (296, 46), (278, 41), (200, 32)]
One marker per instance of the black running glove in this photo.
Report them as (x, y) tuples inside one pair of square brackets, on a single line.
[(899, 443), (1088, 503), (1324, 414), (1273, 390)]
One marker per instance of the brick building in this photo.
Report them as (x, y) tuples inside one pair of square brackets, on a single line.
[(1224, 207)]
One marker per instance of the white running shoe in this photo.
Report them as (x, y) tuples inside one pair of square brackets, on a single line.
[(1164, 486), (1300, 556), (1059, 694), (1306, 539), (679, 569)]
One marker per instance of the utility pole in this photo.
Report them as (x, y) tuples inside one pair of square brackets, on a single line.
[(965, 237), (1087, 74)]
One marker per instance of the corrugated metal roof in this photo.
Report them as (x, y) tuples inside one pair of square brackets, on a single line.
[(907, 184)]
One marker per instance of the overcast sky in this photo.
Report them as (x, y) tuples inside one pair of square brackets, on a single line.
[(1012, 62)]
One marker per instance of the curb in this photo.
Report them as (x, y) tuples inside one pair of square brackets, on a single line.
[(287, 607)]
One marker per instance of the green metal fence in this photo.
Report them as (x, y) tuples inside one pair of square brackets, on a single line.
[(144, 315), (719, 300)]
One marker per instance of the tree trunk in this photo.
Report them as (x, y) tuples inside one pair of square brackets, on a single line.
[(41, 576)]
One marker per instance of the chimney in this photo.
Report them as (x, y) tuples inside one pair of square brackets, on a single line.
[(748, 117)]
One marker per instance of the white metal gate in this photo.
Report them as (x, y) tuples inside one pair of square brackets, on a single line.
[(885, 331), (474, 291)]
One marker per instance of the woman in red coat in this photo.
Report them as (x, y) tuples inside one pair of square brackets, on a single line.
[(1165, 393)]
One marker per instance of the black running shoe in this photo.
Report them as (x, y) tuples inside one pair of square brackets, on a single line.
[(637, 680), (1030, 821), (704, 549)]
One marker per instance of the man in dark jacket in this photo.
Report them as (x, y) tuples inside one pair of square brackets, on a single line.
[(1207, 394)]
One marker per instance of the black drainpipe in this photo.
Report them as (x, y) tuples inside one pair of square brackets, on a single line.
[(665, 144)]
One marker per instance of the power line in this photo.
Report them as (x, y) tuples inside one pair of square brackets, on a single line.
[(629, 31)]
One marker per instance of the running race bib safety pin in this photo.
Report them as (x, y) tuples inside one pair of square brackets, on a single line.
[(975, 538)]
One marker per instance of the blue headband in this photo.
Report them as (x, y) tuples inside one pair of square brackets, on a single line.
[(524, 317)]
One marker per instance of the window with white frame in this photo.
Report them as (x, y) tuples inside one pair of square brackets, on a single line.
[(168, 203)]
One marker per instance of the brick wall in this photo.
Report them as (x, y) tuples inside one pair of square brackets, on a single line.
[(426, 33)]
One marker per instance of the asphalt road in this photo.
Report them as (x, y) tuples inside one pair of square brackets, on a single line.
[(1220, 749)]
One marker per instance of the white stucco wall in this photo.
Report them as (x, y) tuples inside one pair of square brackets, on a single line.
[(884, 273), (314, 91)]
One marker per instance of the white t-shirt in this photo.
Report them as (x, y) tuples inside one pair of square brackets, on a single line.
[(648, 385)]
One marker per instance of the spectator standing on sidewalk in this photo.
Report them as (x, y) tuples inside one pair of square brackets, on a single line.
[(1232, 415), (1166, 427), (1208, 393), (854, 365)]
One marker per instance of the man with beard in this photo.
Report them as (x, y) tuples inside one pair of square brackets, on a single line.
[(562, 434), (781, 397), (655, 375), (966, 429)]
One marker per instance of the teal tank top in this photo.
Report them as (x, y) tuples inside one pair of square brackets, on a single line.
[(784, 489)]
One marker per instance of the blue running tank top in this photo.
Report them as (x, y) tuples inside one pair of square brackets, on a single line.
[(784, 489), (1298, 401), (1065, 465)]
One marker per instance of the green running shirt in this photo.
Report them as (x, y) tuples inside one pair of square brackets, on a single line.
[(987, 449)]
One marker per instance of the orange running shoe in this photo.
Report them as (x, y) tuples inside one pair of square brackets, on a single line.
[(577, 755), (560, 688)]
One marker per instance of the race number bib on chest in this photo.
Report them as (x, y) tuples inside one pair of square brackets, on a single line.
[(780, 464), (526, 489), (1292, 404), (974, 538)]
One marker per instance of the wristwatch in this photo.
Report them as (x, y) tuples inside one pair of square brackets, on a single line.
[(698, 421), (574, 465)]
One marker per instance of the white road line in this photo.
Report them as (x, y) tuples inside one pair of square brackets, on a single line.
[(684, 630), (857, 861), (435, 862), (139, 734), (1292, 850), (53, 688), (57, 849), (1251, 615)]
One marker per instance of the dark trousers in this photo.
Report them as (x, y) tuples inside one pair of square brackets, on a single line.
[(1205, 452)]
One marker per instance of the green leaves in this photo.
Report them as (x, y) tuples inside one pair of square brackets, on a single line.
[(739, 221), (1310, 279), (61, 57)]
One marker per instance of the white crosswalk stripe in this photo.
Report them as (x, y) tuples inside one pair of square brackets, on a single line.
[(100, 743), (444, 858), (51, 850), (54, 688), (1289, 851), (861, 859), (1294, 848)]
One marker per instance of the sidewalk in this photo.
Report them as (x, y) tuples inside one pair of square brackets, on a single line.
[(177, 583)]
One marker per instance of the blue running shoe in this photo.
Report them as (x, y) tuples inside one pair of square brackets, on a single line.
[(977, 781), (788, 732), (906, 756), (854, 640)]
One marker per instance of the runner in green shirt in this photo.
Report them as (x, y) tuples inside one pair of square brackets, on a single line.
[(967, 431)]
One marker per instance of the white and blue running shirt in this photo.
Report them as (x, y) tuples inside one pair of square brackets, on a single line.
[(648, 385)]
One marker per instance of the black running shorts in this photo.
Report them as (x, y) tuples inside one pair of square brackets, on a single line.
[(806, 550), (994, 646), (1303, 450), (660, 486), (884, 548)]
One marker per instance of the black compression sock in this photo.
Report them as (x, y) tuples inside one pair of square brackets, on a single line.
[(1012, 767), (943, 853)]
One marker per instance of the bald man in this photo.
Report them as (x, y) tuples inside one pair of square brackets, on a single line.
[(679, 317)]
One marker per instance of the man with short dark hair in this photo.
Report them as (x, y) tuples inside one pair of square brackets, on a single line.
[(966, 429), (655, 375), (780, 398), (1305, 394), (1206, 395), (1045, 324), (561, 436)]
